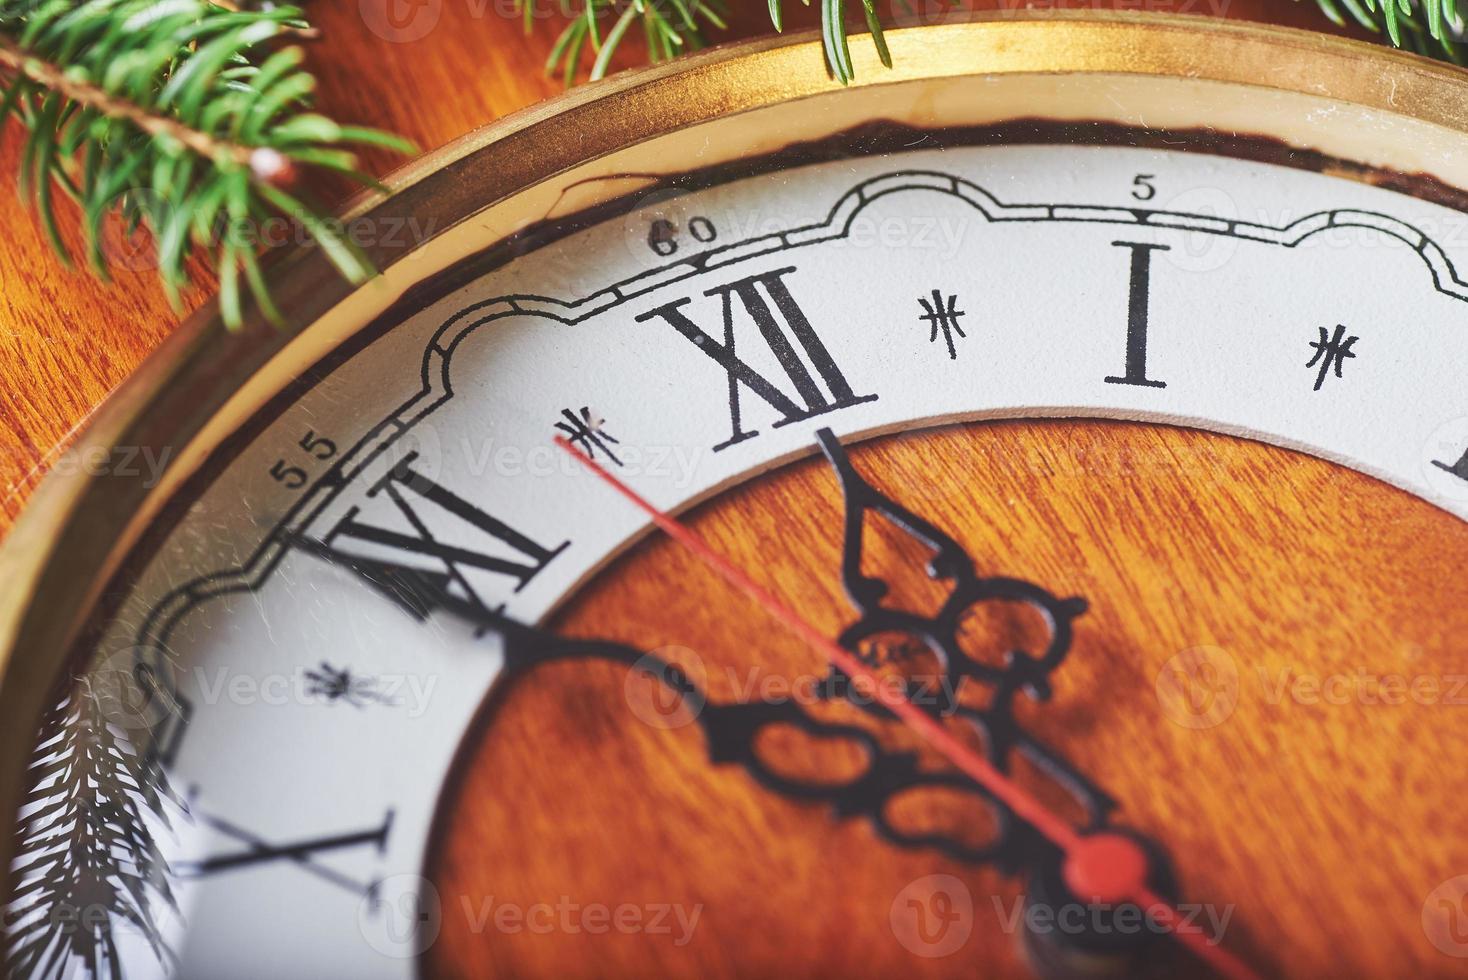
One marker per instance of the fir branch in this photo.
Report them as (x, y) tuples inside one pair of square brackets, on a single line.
[(87, 864), (1428, 27), (674, 27), (670, 27), (184, 116), (188, 118), (84, 94)]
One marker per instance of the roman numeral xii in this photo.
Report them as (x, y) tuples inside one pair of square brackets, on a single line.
[(812, 383)]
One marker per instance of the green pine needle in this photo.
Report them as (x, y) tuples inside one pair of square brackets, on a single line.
[(1428, 27), (669, 28), (182, 116)]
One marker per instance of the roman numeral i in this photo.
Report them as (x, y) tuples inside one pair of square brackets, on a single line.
[(1136, 325)]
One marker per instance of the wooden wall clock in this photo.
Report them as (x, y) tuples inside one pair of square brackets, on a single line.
[(1065, 439)]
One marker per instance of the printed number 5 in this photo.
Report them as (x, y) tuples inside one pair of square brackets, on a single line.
[(294, 477), (290, 477), (318, 446), (1142, 188)]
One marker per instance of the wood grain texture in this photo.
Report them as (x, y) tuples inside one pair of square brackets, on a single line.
[(1324, 817), (66, 339)]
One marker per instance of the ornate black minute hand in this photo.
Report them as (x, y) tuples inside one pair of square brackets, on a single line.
[(1003, 736), (1018, 846), (731, 730)]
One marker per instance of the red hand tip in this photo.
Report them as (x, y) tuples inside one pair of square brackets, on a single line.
[(1106, 868)]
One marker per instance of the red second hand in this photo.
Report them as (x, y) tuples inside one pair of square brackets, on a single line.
[(1026, 806)]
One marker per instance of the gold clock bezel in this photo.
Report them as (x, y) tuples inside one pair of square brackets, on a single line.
[(1343, 99)]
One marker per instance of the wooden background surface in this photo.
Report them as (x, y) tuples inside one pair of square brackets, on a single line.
[(66, 339), (1325, 827)]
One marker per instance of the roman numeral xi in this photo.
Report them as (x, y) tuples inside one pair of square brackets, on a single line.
[(304, 853), (429, 543)]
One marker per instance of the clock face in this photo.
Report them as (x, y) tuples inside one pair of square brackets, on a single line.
[(404, 684)]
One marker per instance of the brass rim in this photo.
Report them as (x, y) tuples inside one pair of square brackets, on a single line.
[(79, 527)]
